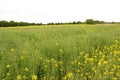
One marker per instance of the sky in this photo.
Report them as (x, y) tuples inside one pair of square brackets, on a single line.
[(47, 11)]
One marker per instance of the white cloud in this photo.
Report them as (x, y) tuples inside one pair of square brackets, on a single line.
[(59, 10)]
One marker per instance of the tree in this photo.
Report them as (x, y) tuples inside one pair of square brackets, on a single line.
[(4, 23), (0, 23), (89, 21), (12, 23)]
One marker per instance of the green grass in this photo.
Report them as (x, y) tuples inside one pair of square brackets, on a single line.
[(60, 52)]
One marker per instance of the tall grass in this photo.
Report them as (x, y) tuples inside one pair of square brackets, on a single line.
[(60, 52)]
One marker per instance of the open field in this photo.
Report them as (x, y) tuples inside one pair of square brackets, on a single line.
[(60, 52)]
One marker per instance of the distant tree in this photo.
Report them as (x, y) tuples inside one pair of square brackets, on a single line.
[(78, 22), (113, 22), (50, 24), (0, 23), (4, 24), (89, 21), (39, 24), (96, 22), (12, 23), (74, 22)]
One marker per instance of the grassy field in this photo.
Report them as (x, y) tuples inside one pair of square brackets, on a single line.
[(60, 52)]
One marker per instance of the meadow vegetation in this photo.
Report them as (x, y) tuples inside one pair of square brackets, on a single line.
[(60, 52)]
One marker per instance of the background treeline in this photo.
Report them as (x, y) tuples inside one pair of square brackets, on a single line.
[(4, 23), (87, 21), (91, 21)]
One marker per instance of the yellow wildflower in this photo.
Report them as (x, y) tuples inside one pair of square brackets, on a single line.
[(78, 63), (56, 65), (99, 63), (105, 62), (18, 77), (60, 62), (78, 70), (56, 44), (61, 51), (21, 57), (44, 78), (12, 49), (34, 77), (4, 79), (91, 59), (69, 75), (26, 69), (8, 74), (115, 78), (8, 66)]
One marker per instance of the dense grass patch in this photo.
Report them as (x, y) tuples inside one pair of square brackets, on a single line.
[(60, 52)]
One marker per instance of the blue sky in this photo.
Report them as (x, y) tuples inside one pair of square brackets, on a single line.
[(46, 11)]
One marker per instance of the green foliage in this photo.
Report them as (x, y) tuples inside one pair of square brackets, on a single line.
[(98, 22), (89, 21), (60, 52), (13, 23)]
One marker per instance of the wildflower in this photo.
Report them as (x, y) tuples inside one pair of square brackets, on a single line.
[(60, 62), (26, 69), (91, 59), (44, 78), (99, 63), (105, 62), (34, 77), (21, 57), (69, 75), (56, 44), (110, 73), (8, 74), (12, 49), (56, 65), (100, 53), (61, 51), (64, 78), (4, 79), (115, 78), (74, 62), (78, 63), (52, 60), (78, 70), (117, 74), (18, 77), (61, 70), (115, 52), (8, 66)]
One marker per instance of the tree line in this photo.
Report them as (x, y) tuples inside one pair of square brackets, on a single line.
[(87, 21), (91, 21), (4, 23)]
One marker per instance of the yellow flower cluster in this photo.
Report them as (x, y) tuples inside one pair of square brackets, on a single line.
[(34, 77)]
